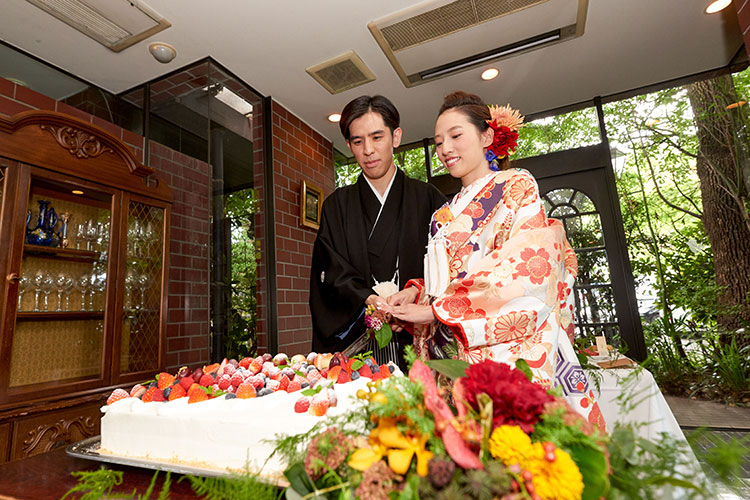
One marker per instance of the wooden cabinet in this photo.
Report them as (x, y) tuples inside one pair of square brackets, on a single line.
[(84, 232)]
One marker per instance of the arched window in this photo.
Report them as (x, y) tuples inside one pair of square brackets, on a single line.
[(594, 297)]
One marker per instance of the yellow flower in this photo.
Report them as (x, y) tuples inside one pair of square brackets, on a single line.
[(556, 480), (387, 440), (363, 458), (510, 444)]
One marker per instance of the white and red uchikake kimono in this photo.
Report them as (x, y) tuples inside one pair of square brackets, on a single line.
[(507, 284)]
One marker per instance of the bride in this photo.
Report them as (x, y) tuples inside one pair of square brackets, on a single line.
[(498, 272)]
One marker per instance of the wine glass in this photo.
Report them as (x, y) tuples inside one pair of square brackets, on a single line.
[(60, 283), (48, 284), (91, 232), (98, 285), (80, 231), (130, 282), (102, 229), (23, 284), (37, 282), (134, 229), (82, 284), (67, 287), (144, 280)]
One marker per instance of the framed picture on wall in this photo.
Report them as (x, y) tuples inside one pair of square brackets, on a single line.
[(311, 203)]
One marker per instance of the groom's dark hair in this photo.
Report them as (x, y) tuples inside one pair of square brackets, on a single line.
[(363, 105)]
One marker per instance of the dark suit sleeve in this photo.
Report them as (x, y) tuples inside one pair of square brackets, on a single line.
[(337, 290)]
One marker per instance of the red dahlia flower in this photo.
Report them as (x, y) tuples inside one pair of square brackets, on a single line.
[(515, 399)]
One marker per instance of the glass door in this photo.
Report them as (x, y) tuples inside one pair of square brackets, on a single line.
[(143, 269), (59, 332)]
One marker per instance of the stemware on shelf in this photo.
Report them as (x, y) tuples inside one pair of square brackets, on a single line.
[(60, 283), (67, 287), (48, 284), (23, 284), (82, 285), (37, 282), (91, 232), (80, 231), (143, 283), (131, 280)]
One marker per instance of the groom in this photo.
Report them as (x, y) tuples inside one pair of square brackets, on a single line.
[(372, 231)]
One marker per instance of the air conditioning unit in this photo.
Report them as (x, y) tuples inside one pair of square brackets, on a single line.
[(435, 39), (116, 24)]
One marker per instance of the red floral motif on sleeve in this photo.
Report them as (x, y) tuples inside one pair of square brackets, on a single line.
[(475, 210), (535, 265), (511, 326), (571, 262), (519, 192), (539, 220)]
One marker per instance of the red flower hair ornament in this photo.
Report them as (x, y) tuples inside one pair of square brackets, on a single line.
[(505, 122)]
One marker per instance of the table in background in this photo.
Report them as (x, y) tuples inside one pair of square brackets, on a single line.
[(48, 477)]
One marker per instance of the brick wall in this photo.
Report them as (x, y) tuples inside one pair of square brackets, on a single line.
[(743, 14), (188, 298), (299, 153)]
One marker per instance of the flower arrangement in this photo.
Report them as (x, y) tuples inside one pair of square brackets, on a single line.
[(377, 324), (506, 122), (490, 434)]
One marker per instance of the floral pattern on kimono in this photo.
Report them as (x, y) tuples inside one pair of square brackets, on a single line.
[(511, 275)]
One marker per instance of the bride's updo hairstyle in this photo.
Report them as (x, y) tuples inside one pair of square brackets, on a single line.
[(475, 110)]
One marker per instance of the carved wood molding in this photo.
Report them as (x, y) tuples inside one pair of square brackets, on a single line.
[(76, 141), (62, 430), (61, 121)]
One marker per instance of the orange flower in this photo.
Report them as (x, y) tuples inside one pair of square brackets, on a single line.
[(535, 265), (511, 326)]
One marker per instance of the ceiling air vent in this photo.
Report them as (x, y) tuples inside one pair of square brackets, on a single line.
[(341, 73), (116, 24), (439, 38)]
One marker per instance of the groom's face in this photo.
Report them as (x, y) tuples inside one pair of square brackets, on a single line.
[(371, 142)]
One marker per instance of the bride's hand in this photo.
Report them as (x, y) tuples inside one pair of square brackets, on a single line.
[(412, 313), (405, 296)]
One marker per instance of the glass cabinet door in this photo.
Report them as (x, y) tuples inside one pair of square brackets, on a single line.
[(62, 300), (142, 301)]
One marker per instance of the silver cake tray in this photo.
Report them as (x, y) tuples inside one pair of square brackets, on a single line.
[(88, 449)]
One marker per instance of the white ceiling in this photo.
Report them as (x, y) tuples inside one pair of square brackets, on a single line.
[(627, 44)]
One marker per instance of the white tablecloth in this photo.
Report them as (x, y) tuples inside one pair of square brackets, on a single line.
[(628, 395), (644, 402)]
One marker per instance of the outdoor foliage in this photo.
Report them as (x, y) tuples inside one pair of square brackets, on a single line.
[(240, 209)]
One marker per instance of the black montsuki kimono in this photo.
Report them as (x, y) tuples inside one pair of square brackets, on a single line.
[(344, 263)]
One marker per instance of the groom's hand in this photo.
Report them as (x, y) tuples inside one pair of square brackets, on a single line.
[(405, 296)]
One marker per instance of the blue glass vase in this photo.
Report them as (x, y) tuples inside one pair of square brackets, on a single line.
[(44, 232)]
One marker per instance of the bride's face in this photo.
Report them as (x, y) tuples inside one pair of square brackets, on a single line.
[(460, 146)]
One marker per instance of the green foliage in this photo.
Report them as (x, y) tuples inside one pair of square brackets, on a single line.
[(240, 208), (725, 459), (451, 368), (558, 133), (383, 335), (100, 483), (95, 484), (235, 487), (641, 467)]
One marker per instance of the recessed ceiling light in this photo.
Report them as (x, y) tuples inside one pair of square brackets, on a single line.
[(77, 191), (490, 73), (717, 5), (334, 118)]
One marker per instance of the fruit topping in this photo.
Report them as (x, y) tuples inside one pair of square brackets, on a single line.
[(117, 395)]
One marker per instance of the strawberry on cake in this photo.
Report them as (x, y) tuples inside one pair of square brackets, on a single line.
[(220, 416)]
